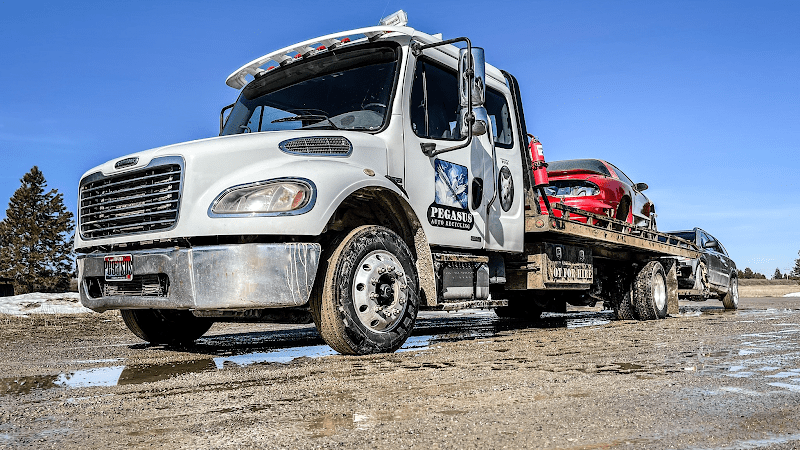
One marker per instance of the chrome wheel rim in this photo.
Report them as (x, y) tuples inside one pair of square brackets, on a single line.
[(380, 291), (659, 292), (735, 292)]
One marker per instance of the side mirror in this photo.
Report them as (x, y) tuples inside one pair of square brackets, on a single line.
[(472, 90), (710, 244), (641, 186)]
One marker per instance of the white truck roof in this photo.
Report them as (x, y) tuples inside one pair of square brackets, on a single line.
[(238, 80)]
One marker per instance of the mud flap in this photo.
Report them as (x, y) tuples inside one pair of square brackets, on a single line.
[(671, 270)]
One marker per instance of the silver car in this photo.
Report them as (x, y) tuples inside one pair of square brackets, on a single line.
[(711, 275)]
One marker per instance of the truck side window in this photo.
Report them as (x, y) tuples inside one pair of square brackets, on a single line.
[(434, 102), (500, 116)]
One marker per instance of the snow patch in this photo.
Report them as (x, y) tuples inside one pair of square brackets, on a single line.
[(39, 303), (793, 294)]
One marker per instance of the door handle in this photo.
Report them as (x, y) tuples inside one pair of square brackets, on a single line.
[(477, 192)]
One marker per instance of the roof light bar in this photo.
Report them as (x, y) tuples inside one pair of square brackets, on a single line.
[(398, 19), (288, 55)]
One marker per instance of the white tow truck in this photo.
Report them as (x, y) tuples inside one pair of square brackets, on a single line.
[(358, 178)]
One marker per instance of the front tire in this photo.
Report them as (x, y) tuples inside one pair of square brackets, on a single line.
[(368, 300), (650, 292), (731, 298), (165, 326)]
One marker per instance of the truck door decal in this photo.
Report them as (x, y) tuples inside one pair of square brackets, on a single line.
[(505, 184), (450, 206)]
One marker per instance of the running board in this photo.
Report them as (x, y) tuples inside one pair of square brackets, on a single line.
[(472, 304)]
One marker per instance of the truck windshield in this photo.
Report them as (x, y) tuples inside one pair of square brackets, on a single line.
[(347, 89)]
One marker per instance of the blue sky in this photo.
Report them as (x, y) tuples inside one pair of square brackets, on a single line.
[(699, 99)]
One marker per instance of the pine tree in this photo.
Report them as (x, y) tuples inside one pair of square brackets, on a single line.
[(777, 275), (36, 238), (796, 270)]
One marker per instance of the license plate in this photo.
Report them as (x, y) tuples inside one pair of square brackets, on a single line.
[(118, 267)]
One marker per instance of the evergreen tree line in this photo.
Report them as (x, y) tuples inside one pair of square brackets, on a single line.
[(793, 274), (36, 238)]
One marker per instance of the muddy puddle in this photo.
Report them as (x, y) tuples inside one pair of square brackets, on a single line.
[(753, 357), (285, 346), (771, 359)]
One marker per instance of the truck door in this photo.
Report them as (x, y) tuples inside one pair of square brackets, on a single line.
[(447, 191), (506, 211)]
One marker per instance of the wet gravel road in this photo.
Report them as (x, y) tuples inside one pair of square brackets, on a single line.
[(708, 379)]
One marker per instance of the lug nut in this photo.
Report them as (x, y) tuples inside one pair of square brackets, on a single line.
[(374, 280), (373, 296), (381, 270)]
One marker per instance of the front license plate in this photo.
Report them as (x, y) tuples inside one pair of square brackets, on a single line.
[(118, 267)]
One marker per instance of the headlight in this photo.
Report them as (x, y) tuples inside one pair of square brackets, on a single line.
[(265, 197)]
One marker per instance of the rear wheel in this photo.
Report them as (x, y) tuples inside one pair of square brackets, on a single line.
[(624, 307), (368, 299), (165, 326), (650, 292), (731, 298)]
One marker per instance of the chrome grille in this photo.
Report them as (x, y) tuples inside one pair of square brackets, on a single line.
[(318, 146), (140, 201)]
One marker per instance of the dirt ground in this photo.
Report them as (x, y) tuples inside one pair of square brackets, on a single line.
[(705, 379)]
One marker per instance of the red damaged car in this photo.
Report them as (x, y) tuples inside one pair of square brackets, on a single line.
[(600, 187)]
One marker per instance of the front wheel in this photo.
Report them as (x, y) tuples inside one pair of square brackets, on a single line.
[(650, 292), (368, 300), (731, 298), (165, 326)]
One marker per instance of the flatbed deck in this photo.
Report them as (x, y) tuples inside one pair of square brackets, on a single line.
[(607, 237)]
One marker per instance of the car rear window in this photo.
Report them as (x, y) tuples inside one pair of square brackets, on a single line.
[(591, 165)]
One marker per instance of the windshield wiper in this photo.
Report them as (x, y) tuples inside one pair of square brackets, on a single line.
[(316, 117)]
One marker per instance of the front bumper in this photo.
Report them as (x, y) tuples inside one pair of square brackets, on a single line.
[(246, 276)]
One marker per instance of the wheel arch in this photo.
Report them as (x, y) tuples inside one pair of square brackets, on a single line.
[(379, 205)]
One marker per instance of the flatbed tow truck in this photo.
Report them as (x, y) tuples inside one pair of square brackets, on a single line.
[(359, 177)]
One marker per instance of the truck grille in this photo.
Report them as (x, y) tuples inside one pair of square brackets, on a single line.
[(318, 146), (140, 201)]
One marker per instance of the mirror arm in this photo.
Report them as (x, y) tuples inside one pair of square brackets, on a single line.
[(429, 149), (222, 117)]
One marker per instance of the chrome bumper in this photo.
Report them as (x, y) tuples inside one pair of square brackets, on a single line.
[(247, 276)]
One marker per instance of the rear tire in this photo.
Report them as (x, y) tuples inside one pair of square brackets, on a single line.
[(650, 292), (165, 326), (731, 298), (624, 309), (369, 296)]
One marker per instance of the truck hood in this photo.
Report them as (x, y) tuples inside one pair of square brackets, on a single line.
[(253, 147), (212, 166)]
